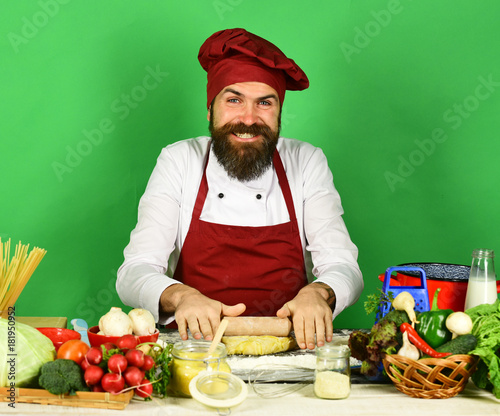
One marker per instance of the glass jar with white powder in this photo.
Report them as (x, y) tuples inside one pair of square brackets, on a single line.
[(332, 377)]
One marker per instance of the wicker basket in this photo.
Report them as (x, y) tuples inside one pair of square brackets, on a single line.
[(430, 378)]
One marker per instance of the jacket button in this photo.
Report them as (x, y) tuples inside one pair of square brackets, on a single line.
[(221, 195), (259, 196)]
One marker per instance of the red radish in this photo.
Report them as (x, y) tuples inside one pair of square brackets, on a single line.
[(84, 364), (117, 363), (109, 346), (133, 376), (145, 389), (126, 342), (112, 383), (93, 375), (135, 357), (97, 388), (149, 363), (94, 355)]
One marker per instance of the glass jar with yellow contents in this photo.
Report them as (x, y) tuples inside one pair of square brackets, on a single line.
[(188, 359)]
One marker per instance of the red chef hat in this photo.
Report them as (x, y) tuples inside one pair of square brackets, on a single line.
[(235, 55)]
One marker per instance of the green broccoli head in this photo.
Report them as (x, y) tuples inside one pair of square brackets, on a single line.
[(62, 376)]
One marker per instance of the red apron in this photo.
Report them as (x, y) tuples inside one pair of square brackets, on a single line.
[(262, 267)]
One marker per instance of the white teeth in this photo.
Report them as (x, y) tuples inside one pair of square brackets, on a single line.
[(244, 135)]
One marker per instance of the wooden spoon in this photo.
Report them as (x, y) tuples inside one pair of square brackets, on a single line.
[(218, 336)]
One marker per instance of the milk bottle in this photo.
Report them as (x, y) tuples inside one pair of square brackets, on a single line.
[(482, 279)]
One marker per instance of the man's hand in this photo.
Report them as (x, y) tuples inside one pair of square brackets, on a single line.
[(196, 311), (311, 312)]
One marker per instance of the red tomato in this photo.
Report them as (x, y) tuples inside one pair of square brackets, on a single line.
[(73, 349)]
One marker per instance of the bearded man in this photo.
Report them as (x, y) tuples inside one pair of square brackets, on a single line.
[(228, 222)]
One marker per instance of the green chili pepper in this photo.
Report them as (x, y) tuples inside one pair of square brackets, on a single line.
[(432, 325)]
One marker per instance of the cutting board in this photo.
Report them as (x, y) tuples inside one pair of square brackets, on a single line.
[(242, 365)]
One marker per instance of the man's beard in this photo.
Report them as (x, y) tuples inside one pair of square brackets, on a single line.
[(244, 161)]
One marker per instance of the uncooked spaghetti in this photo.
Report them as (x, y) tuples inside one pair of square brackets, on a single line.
[(15, 272)]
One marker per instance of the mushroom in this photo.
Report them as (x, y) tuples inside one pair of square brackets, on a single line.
[(143, 322), (115, 323), (459, 323)]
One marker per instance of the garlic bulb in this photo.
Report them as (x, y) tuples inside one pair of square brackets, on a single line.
[(143, 322), (115, 323), (408, 350)]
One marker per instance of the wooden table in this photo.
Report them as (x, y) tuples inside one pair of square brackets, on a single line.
[(365, 399)]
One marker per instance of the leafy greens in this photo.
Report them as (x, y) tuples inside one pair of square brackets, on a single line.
[(486, 328)]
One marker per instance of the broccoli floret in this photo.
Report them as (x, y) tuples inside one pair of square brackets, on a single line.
[(62, 376)]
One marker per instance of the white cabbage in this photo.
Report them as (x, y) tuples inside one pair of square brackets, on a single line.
[(31, 350)]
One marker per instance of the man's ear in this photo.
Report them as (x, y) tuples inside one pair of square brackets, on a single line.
[(208, 114)]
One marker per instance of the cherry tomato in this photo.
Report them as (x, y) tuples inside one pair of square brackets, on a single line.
[(73, 349)]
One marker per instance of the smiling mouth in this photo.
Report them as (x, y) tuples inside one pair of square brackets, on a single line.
[(245, 136)]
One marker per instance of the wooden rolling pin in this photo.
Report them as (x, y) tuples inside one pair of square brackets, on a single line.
[(258, 325)]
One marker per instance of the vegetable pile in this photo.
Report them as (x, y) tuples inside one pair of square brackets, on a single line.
[(435, 333), (118, 368), (113, 368)]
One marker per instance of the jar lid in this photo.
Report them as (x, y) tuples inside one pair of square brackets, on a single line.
[(218, 389), (334, 351)]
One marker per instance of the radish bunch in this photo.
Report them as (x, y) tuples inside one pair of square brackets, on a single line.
[(115, 368)]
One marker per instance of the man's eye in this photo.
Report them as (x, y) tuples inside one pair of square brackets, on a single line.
[(233, 100), (266, 103)]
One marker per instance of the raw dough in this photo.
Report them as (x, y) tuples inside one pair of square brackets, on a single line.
[(258, 345)]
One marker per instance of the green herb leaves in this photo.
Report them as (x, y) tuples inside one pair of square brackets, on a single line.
[(486, 328)]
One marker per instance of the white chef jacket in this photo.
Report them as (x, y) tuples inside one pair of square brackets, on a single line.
[(166, 208)]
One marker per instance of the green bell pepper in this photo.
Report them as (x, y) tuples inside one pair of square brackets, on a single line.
[(432, 324)]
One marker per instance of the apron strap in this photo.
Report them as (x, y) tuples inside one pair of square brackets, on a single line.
[(285, 187), (203, 190)]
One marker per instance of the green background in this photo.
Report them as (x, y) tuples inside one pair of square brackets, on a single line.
[(404, 100)]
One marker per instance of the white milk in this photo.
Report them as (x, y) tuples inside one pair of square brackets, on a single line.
[(479, 292)]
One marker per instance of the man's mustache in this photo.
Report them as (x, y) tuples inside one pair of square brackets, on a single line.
[(242, 128)]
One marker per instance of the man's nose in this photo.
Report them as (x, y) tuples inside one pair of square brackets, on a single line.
[(249, 115)]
